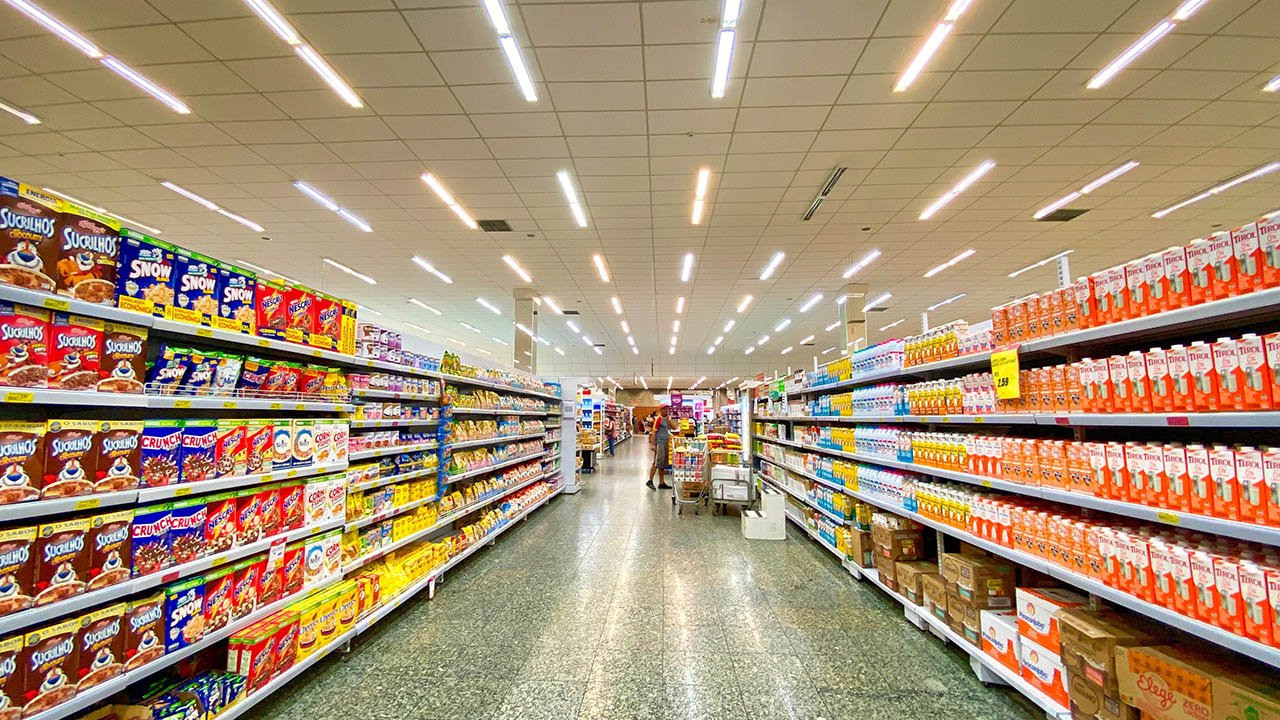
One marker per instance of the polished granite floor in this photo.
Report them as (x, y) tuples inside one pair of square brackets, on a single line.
[(606, 605)]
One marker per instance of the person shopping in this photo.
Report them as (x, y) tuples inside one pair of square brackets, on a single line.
[(660, 442)]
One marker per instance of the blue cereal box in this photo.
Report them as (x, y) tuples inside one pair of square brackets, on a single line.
[(236, 309), (184, 614), (195, 288), (144, 275)]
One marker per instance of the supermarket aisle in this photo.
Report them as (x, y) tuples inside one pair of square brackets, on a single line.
[(607, 605)]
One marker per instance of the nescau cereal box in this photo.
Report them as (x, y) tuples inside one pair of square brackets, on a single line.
[(144, 275), (236, 292), (195, 288), (24, 346), (28, 236), (87, 252)]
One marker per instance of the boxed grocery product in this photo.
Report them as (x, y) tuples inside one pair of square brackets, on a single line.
[(195, 288), (24, 345), (986, 581), (934, 589), (1043, 670), (1167, 682), (48, 664), (87, 254), (1000, 637), (910, 575), (236, 291)]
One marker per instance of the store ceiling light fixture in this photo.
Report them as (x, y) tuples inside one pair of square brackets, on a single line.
[(865, 261), (1264, 170), (774, 262), (948, 301), (261, 269), (932, 43), (431, 269), (570, 194), (25, 117), (515, 268), (103, 211), (808, 305), (1041, 263), (213, 206), (353, 273), (699, 198), (448, 200), (424, 306), (617, 304), (880, 300), (894, 324), (1093, 185), (724, 47), (285, 31), (959, 258), (960, 187), (601, 270), (511, 49), (331, 205), (686, 271)]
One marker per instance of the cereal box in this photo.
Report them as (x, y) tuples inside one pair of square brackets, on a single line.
[(100, 645), (28, 236), (229, 456), (16, 568), (272, 317), (123, 362), (24, 345), (199, 439), (144, 277), (151, 543), (49, 662), (219, 598), (68, 458), (236, 290), (300, 312), (187, 524), (195, 288), (248, 516), (221, 522), (184, 614), (87, 252), (144, 631), (61, 559), (75, 351), (110, 549)]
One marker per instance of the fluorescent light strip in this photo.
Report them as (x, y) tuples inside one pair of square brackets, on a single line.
[(1264, 170), (488, 306), (431, 269), (417, 327), (962, 256), (774, 262), (806, 340), (261, 269), (679, 304), (960, 187), (1042, 263), (1055, 205), (724, 56), (103, 211), (617, 304), (470, 327), (782, 325), (349, 271), (600, 268), (1130, 54), (948, 301), (25, 117), (503, 343), (865, 261), (687, 270), (893, 324), (56, 27), (922, 57), (424, 306), (515, 267), (811, 302), (448, 200), (746, 300), (877, 302)]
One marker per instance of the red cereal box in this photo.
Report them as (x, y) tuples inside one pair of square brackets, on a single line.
[(75, 351), (328, 322), (1175, 275), (24, 346), (1226, 281), (269, 299), (300, 312), (1248, 258), (1269, 245), (1200, 272)]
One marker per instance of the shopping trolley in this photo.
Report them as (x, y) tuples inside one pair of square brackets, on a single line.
[(689, 471)]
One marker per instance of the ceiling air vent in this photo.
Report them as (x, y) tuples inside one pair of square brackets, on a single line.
[(1063, 215), (494, 225)]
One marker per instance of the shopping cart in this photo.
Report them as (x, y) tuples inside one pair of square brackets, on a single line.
[(689, 470)]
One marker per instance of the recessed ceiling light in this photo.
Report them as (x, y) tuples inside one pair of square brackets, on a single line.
[(878, 301), (424, 306), (488, 306), (600, 268), (687, 269), (1035, 265), (962, 256), (25, 117), (515, 267), (774, 262), (349, 271), (431, 269), (948, 301), (893, 324), (811, 302), (865, 261), (1130, 54), (960, 187), (617, 304), (1264, 170), (448, 200)]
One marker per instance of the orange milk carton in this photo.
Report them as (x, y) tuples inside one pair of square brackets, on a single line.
[(1180, 378), (1269, 245), (1225, 498), (1225, 272), (1256, 386), (1176, 279), (1086, 303), (1200, 481), (1252, 483), (1135, 280), (1248, 258), (1226, 364), (1200, 272), (1136, 367), (1204, 381)]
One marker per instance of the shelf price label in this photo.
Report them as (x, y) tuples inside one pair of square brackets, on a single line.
[(1004, 372)]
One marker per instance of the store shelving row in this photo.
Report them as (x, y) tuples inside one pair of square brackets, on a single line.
[(392, 450), (1189, 521), (1267, 418), (1258, 304), (490, 468), (393, 395), (405, 422), (494, 440), (804, 498), (39, 396), (439, 524), (43, 508)]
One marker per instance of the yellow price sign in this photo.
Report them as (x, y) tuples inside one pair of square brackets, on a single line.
[(19, 397), (57, 304), (1004, 372)]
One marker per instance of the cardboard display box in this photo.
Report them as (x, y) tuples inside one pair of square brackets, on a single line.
[(987, 582), (910, 576)]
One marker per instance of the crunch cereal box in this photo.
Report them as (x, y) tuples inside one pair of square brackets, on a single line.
[(195, 288), (144, 277)]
